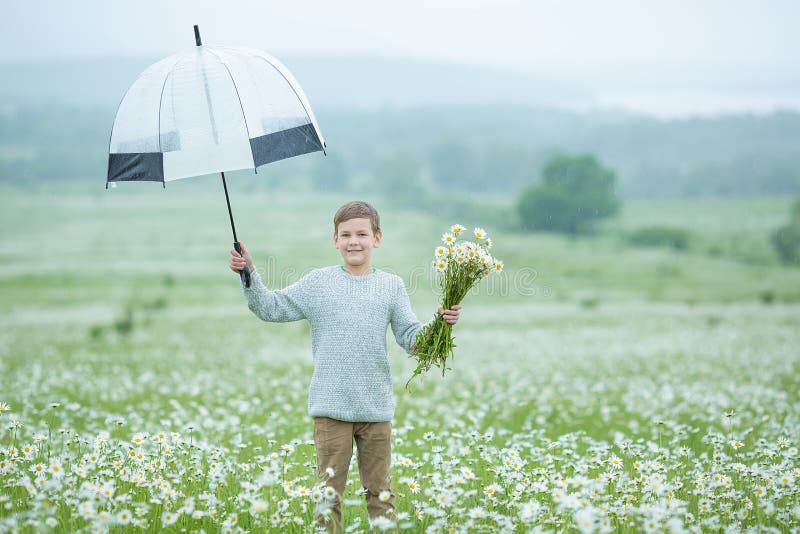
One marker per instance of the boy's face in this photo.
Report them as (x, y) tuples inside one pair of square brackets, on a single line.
[(355, 241)]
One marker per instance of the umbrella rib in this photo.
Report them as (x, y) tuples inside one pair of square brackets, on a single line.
[(289, 83), (161, 98), (111, 135), (238, 97)]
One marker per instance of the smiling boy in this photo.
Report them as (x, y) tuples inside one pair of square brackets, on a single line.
[(349, 308)]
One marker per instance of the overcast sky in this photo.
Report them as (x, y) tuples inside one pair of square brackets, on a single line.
[(717, 50)]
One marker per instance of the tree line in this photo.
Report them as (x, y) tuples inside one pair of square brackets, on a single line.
[(493, 149)]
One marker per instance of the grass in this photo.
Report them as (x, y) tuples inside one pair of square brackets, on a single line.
[(119, 307)]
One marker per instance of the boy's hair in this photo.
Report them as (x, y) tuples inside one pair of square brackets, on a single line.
[(357, 209)]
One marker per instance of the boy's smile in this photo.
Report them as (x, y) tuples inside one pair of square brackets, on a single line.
[(355, 241)]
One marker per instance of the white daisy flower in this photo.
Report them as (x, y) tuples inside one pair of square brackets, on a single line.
[(381, 523), (457, 229), (448, 238), (169, 518), (258, 507), (441, 251), (477, 512), (55, 469), (480, 233), (492, 489), (124, 517)]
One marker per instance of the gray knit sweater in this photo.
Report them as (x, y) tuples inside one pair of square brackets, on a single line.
[(349, 316)]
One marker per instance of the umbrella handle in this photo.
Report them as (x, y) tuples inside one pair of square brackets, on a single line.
[(244, 274)]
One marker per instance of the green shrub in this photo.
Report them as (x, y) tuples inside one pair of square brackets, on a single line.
[(575, 192), (660, 236), (786, 239)]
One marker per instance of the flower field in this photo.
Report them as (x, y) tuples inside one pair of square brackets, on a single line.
[(139, 394)]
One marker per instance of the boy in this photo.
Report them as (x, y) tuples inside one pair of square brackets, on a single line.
[(349, 308)]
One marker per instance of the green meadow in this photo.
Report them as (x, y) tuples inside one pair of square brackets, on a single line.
[(596, 385)]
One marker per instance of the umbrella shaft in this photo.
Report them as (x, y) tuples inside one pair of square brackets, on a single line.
[(228, 200)]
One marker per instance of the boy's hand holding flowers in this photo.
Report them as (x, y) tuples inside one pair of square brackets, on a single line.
[(449, 316), (460, 265)]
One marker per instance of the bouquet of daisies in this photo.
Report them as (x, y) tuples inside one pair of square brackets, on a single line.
[(460, 265)]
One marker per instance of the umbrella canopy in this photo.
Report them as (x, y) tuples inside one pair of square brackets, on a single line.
[(208, 110)]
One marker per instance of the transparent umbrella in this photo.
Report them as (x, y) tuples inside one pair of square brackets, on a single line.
[(209, 110)]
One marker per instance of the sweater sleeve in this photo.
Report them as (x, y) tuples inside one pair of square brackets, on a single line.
[(279, 306), (405, 324)]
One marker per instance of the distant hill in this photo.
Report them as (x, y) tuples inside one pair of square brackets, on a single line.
[(330, 83), (463, 127)]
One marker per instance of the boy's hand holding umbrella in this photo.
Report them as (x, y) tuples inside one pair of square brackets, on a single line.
[(239, 261)]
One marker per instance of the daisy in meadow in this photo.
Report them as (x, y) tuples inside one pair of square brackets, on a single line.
[(55, 468), (169, 518), (467, 473), (492, 490), (412, 484), (477, 512), (124, 517)]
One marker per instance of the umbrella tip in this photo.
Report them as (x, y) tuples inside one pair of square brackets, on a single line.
[(197, 36)]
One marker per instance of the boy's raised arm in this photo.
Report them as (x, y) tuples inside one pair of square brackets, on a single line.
[(278, 306)]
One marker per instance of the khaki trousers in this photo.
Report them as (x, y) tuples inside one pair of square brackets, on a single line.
[(334, 448)]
